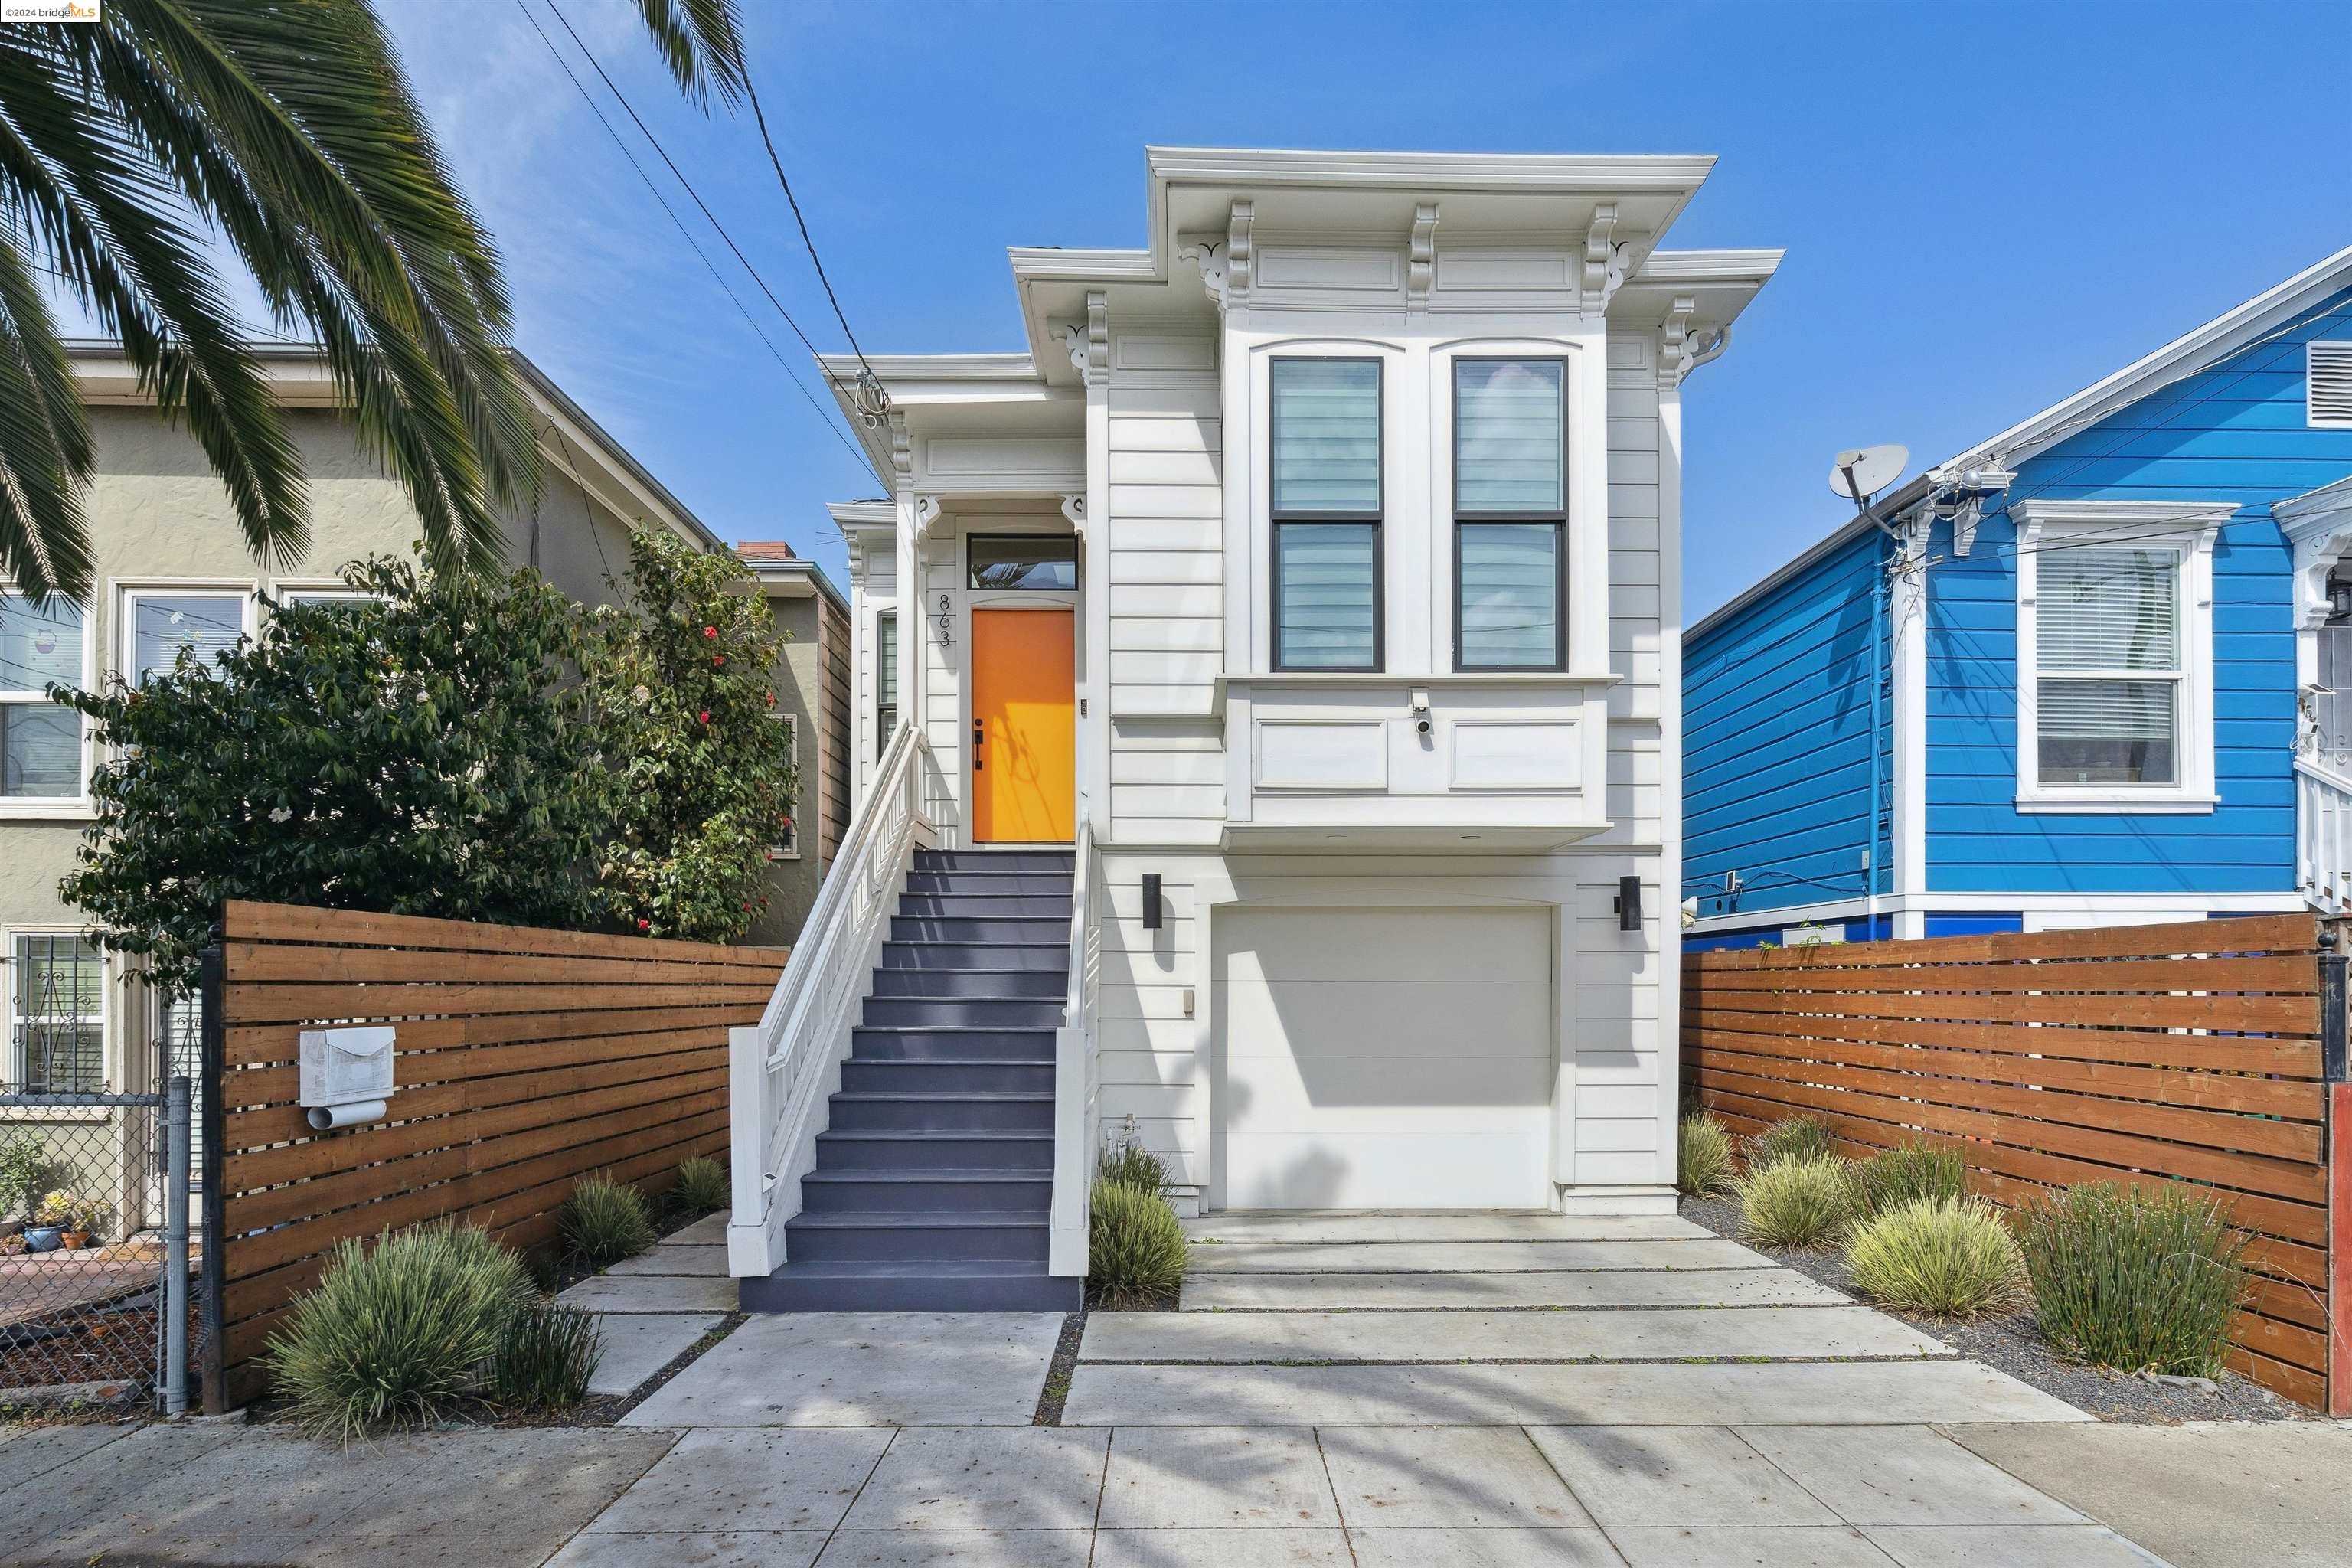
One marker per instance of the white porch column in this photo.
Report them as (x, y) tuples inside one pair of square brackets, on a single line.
[(1907, 700), (909, 536), (1676, 349), (1090, 353)]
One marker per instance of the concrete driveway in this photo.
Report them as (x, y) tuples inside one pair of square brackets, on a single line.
[(1392, 1390)]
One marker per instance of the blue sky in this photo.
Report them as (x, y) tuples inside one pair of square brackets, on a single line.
[(1985, 206)]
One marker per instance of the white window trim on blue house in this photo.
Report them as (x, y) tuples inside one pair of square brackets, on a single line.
[(2187, 528)]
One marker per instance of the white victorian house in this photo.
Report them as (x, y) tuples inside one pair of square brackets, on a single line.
[(1268, 732)]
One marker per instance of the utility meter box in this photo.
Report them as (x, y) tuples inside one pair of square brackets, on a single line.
[(346, 1074)]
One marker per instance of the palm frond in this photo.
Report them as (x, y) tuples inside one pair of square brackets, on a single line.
[(701, 41), (45, 450)]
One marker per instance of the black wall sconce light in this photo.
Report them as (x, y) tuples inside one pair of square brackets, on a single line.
[(1629, 903), (1152, 901)]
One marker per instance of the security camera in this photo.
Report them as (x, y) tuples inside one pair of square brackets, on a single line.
[(1420, 725)]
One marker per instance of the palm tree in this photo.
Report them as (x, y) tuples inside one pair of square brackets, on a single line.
[(288, 128)]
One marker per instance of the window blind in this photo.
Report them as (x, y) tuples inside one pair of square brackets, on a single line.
[(1327, 596), (207, 625), (1510, 595), (2108, 610), (1326, 436), (1508, 435)]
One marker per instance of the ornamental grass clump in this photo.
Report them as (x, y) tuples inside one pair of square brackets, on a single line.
[(1136, 1249), (545, 1356), (1790, 1136), (603, 1222), (1130, 1165), (2134, 1280), (1906, 1173), (1795, 1201), (702, 1185), (1938, 1256), (397, 1333), (1703, 1159)]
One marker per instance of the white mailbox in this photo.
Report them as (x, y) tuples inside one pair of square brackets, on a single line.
[(346, 1074)]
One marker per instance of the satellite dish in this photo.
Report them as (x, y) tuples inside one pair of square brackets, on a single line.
[(1860, 474)]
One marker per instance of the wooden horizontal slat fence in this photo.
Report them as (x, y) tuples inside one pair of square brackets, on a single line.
[(2149, 1055), (523, 1060)]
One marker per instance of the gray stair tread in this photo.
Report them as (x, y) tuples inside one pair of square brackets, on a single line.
[(948, 1061), (960, 1096), (918, 1269), (960, 1028), (918, 1219), (922, 1133), (965, 969), (968, 941), (929, 1173)]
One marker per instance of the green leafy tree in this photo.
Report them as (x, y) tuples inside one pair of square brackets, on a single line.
[(683, 682), (286, 129), (427, 752)]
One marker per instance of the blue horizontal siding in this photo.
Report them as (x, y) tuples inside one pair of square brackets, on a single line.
[(1777, 739), (2235, 432)]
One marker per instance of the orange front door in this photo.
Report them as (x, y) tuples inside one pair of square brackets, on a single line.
[(1024, 727)]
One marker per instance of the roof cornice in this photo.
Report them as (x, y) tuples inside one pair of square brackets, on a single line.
[(1532, 172)]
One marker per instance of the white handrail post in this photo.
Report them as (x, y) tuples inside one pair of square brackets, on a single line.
[(1066, 1251)]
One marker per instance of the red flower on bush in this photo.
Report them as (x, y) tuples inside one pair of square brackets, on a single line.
[(716, 659), (704, 716), (643, 925), (709, 632)]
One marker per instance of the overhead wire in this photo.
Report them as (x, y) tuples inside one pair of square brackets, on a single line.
[(671, 213)]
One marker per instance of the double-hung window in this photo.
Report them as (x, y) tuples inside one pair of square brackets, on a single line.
[(885, 680), (2114, 645), (40, 742), (1325, 442), (1511, 514), (163, 623)]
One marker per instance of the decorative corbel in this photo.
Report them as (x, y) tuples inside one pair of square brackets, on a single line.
[(927, 512), (902, 452), (1421, 256), (1089, 344), (1238, 253), (1708, 344), (1675, 345), (1604, 263), (1211, 256), (1074, 507)]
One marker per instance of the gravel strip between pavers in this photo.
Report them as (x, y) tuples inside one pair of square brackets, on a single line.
[(2014, 1345)]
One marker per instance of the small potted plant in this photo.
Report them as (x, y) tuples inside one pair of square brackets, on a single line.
[(50, 1216), (87, 1224)]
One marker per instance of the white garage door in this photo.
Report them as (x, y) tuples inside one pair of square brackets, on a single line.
[(1384, 1058)]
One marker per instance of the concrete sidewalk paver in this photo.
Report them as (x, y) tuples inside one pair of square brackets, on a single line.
[(1324, 1547), (957, 1549), (730, 1481), (1499, 1227), (1028, 1477), (2201, 1495), (2010, 1546), (1676, 1476), (638, 1344), (1633, 1334), (1445, 1477), (1903, 1476), (1483, 1548), (1831, 1547), (31, 1452), (651, 1293), (1472, 1257), (1224, 1478), (1215, 1292), (749, 1549), (702, 1258), (863, 1369), (1585, 1395)]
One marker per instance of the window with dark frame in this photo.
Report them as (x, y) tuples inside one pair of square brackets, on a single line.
[(885, 680), (1324, 437), (1042, 563), (1511, 514)]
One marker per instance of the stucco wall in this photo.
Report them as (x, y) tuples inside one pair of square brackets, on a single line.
[(793, 884)]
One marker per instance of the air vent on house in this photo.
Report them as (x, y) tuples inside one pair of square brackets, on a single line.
[(2329, 370)]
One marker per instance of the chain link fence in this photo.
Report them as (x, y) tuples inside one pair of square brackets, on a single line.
[(94, 1198)]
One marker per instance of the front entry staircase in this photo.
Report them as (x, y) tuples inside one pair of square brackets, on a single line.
[(934, 1173)]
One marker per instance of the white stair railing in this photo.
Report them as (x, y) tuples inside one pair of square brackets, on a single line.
[(782, 1071), (1077, 1077), (2323, 836)]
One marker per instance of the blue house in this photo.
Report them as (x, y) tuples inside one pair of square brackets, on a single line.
[(2094, 671)]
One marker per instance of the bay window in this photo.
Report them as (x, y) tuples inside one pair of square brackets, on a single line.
[(1325, 442), (1511, 514), (40, 742)]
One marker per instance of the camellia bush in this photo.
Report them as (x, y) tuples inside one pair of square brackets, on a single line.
[(428, 750), (702, 762)]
